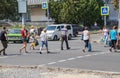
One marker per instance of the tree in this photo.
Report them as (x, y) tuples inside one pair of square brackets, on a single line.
[(116, 3), (8, 9), (76, 11), (55, 8)]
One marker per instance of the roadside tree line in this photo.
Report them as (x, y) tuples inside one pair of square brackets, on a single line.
[(86, 12)]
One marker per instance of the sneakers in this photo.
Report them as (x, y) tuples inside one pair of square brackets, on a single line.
[(83, 50), (68, 48), (110, 50), (48, 52), (40, 52), (62, 49), (4, 54), (26, 52)]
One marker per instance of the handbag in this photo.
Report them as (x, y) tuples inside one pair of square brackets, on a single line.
[(89, 47), (81, 37), (36, 42)]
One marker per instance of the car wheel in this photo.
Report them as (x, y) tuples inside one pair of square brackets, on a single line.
[(55, 38), (14, 41)]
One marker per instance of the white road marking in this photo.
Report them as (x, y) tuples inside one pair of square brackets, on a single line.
[(71, 58), (51, 63), (87, 55), (62, 60), (3, 57), (77, 57)]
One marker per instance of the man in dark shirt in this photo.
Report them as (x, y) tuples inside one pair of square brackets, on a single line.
[(3, 39)]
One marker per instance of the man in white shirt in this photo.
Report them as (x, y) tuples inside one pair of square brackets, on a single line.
[(64, 37), (43, 41)]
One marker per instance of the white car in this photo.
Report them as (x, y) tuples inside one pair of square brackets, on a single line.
[(54, 31)]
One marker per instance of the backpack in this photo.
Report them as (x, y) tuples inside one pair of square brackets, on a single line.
[(81, 37), (36, 42), (2, 37)]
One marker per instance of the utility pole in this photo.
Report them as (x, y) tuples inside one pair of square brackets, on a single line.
[(45, 5), (22, 8), (119, 18), (105, 11), (48, 12), (105, 4)]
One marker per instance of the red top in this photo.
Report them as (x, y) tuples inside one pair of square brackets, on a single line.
[(23, 32)]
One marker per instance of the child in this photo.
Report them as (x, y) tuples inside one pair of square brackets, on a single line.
[(33, 44)]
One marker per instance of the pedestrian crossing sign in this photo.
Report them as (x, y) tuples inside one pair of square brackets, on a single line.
[(105, 10), (44, 5)]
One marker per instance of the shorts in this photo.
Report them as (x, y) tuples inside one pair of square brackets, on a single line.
[(24, 39), (32, 44), (42, 43)]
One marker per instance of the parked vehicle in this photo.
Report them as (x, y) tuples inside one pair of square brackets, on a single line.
[(14, 35), (96, 28), (76, 29), (54, 31)]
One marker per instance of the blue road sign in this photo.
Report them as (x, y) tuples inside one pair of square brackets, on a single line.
[(44, 5), (105, 10)]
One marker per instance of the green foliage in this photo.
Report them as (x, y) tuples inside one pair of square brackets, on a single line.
[(115, 3), (76, 11), (8, 9)]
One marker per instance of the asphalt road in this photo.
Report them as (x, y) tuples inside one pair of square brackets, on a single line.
[(99, 59)]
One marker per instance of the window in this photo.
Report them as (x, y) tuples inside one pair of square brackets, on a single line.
[(69, 27), (58, 28), (51, 27)]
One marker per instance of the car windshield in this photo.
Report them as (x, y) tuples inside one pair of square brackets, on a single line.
[(14, 31), (51, 27)]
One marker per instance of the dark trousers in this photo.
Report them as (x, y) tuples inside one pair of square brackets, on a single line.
[(4, 43), (113, 45), (86, 43), (64, 38)]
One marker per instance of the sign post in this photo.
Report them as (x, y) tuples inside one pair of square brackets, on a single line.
[(22, 8), (45, 6), (104, 12)]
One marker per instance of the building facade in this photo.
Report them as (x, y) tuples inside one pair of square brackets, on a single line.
[(35, 11)]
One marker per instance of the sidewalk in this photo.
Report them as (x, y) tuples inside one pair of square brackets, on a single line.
[(47, 72)]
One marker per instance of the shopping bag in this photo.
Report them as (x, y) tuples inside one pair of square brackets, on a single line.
[(81, 37), (36, 42), (89, 46), (101, 40)]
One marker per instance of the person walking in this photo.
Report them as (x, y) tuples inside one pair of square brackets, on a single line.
[(43, 41), (24, 39), (113, 38), (64, 37), (33, 37), (86, 38), (32, 32), (105, 35), (3, 38)]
